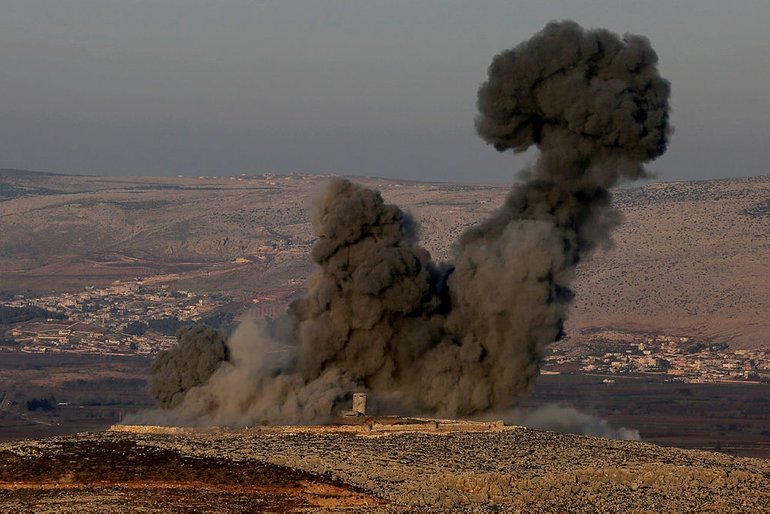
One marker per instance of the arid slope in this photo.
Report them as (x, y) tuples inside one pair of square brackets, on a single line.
[(689, 259), (504, 471)]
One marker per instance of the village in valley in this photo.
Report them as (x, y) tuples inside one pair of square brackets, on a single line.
[(125, 318), (677, 358), (138, 318)]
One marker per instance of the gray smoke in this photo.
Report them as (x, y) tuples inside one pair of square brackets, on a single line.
[(464, 338), (567, 420), (199, 352)]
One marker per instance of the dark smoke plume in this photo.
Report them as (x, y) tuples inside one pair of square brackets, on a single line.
[(466, 338), (190, 363)]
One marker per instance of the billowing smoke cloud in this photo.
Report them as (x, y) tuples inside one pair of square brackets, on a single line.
[(190, 363), (556, 418), (464, 338)]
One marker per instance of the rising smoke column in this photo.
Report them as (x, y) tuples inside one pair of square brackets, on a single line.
[(373, 308), (465, 338), (597, 109)]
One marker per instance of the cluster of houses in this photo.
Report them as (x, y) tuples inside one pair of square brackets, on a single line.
[(113, 320), (680, 358), (105, 320)]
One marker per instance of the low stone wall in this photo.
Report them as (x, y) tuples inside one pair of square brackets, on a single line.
[(151, 429), (372, 426)]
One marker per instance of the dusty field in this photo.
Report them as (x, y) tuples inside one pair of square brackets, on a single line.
[(271, 470), (731, 418), (88, 392)]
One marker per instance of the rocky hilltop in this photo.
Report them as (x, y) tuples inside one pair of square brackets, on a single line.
[(503, 469), (689, 259)]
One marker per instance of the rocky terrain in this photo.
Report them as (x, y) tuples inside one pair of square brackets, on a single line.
[(689, 259), (323, 469)]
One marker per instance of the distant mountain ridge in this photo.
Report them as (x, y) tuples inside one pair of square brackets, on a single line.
[(13, 172)]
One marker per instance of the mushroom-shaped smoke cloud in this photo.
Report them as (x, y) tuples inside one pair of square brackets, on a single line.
[(462, 338)]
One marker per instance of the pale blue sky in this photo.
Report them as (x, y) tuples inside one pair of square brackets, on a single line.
[(387, 88)]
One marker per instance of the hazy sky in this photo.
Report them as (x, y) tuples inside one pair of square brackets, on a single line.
[(361, 87)]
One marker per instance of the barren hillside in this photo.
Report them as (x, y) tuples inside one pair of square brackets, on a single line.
[(313, 470), (689, 258)]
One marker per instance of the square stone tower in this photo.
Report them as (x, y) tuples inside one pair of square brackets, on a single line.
[(359, 404)]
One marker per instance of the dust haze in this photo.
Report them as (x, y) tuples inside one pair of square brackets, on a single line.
[(463, 338)]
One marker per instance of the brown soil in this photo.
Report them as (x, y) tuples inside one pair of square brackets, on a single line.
[(121, 474)]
